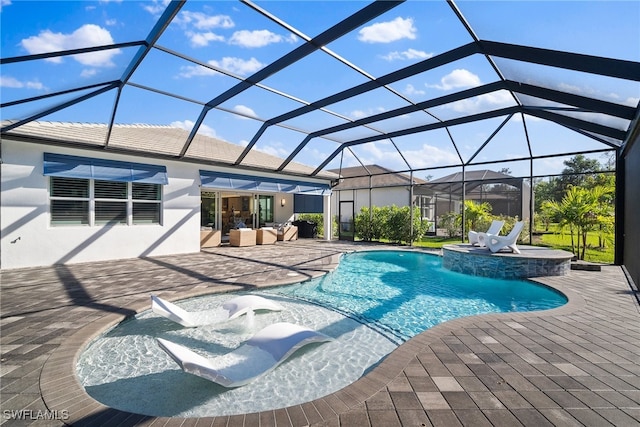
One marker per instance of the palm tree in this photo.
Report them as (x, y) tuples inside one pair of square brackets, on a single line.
[(582, 210), (474, 213)]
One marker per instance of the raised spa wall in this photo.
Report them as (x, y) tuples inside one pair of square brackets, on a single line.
[(481, 262)]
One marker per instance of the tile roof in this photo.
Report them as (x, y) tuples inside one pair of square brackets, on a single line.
[(159, 140), (358, 177)]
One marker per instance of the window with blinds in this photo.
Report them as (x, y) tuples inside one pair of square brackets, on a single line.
[(146, 203), (91, 202)]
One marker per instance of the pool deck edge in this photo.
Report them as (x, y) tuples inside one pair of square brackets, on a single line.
[(425, 374)]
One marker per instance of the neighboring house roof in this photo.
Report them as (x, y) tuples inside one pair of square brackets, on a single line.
[(479, 175), (156, 141), (453, 183), (358, 177)]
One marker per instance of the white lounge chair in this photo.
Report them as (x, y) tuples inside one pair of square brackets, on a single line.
[(230, 310), (261, 354), (476, 238), (495, 243)]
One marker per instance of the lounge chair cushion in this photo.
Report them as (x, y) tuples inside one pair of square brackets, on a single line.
[(261, 354), (230, 310)]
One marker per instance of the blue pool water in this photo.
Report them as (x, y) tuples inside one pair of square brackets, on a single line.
[(370, 304), (403, 293)]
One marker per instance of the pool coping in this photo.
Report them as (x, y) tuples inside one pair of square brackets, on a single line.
[(62, 391)]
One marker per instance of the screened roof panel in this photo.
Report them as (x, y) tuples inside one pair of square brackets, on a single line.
[(474, 105), (409, 32), (579, 113), (404, 121), (237, 129), (469, 72), (360, 74), (368, 104), (180, 77), (301, 78), (316, 120), (99, 104), (314, 19), (279, 141), (620, 91), (548, 138), (228, 35), (490, 139), (261, 102), (316, 151), (32, 27), (600, 28), (46, 76), (426, 149), (169, 110)]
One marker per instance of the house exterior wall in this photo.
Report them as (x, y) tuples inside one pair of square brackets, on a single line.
[(27, 239)]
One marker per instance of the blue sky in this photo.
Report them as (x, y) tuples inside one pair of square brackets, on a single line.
[(236, 39)]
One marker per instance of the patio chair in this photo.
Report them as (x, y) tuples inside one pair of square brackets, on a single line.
[(476, 238), (496, 243), (266, 236), (261, 354), (242, 237), (231, 309)]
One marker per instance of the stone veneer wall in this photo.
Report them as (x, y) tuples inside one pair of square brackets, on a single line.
[(503, 267)]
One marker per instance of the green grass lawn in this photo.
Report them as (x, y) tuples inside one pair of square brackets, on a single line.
[(593, 253), (554, 240), (436, 242)]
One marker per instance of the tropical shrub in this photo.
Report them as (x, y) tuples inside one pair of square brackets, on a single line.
[(390, 222), (450, 221)]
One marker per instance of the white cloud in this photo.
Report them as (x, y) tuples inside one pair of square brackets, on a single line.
[(198, 26), (238, 66), (86, 36), (257, 38), (245, 111), (381, 152), (233, 65), (632, 102), (203, 39), (387, 32), (201, 21), (408, 54), (411, 90), (484, 102), (202, 130), (156, 7), (4, 3), (428, 156), (458, 79), (14, 83), (111, 22), (275, 150), (359, 114), (196, 71), (89, 72)]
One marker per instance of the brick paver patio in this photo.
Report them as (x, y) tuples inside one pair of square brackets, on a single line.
[(572, 366)]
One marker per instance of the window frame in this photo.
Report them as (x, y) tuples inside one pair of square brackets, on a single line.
[(129, 202)]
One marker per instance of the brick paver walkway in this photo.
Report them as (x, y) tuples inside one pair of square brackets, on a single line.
[(575, 365)]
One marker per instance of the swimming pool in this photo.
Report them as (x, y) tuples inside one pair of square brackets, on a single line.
[(402, 293), (370, 304)]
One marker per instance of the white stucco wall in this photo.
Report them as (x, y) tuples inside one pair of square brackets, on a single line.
[(28, 239)]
